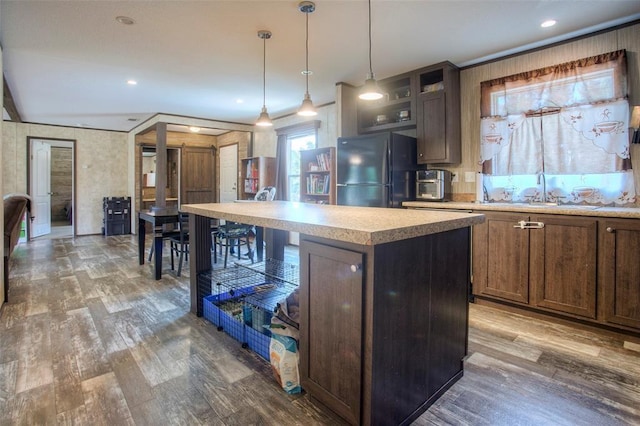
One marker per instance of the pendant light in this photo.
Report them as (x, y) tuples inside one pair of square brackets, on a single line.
[(307, 109), (263, 119), (370, 91)]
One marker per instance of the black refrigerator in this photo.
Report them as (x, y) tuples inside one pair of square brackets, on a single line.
[(376, 170)]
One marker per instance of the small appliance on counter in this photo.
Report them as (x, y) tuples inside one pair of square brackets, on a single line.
[(433, 185)]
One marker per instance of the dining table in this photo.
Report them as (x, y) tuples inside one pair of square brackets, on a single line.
[(158, 218)]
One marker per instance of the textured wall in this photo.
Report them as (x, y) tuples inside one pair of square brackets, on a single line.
[(625, 38), (101, 166)]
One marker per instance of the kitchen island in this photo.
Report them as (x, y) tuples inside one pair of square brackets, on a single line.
[(383, 300)]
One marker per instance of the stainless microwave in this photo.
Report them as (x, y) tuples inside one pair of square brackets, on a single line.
[(433, 185)]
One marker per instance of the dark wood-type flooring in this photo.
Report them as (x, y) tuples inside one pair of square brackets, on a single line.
[(89, 338)]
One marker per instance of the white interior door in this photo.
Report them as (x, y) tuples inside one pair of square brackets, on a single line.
[(41, 187), (228, 173)]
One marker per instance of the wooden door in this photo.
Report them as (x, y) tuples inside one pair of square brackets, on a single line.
[(331, 284), (620, 271), (198, 176), (501, 257), (563, 264)]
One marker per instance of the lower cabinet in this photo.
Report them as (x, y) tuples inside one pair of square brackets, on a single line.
[(501, 258), (383, 329), (331, 331), (582, 267), (562, 262), (620, 272)]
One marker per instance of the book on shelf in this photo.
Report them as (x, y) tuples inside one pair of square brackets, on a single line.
[(322, 164), (318, 184)]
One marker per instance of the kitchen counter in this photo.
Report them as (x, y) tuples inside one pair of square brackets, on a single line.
[(389, 287), (359, 225), (571, 210)]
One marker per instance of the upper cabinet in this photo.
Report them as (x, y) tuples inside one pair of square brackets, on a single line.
[(438, 114), (428, 100), (396, 109)]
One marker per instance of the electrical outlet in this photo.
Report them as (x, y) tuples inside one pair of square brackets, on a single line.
[(454, 177), (469, 176)]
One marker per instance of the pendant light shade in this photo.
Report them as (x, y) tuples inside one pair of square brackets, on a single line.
[(263, 119), (370, 91), (307, 109)]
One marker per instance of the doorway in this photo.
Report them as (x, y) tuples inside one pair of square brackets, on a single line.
[(228, 173), (52, 188)]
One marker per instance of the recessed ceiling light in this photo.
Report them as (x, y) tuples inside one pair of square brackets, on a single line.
[(194, 129), (548, 23), (132, 82), (239, 101), (306, 72), (125, 20)]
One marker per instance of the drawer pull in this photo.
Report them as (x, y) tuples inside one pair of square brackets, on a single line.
[(523, 224)]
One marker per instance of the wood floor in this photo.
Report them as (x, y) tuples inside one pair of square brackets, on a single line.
[(89, 338)]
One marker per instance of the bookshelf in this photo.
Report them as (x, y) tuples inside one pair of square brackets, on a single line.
[(257, 172), (318, 176)]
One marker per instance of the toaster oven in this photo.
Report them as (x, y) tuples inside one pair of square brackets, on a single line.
[(434, 185)]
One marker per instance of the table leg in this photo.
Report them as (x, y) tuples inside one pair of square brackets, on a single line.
[(276, 240), (158, 241), (259, 243), (141, 237)]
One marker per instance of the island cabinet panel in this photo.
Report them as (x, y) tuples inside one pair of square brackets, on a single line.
[(383, 328), (501, 257), (563, 264), (331, 326), (620, 272)]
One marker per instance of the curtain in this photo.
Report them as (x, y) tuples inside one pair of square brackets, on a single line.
[(558, 134), (281, 167)]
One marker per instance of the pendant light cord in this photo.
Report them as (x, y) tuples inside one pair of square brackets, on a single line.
[(264, 72), (306, 70), (370, 66)]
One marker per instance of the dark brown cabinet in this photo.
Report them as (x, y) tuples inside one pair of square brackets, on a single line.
[(438, 114), (380, 339), (620, 272), (331, 303), (395, 111), (563, 261), (501, 258), (544, 261)]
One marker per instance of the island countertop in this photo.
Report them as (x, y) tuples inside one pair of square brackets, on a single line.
[(359, 225)]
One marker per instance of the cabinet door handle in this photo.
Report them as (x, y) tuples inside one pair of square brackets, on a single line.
[(523, 224), (610, 230), (356, 268)]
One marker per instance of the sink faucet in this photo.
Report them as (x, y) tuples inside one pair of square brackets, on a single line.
[(542, 180)]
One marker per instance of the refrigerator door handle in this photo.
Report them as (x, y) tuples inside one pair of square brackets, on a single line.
[(341, 184)]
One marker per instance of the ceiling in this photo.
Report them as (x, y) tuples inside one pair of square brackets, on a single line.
[(67, 62)]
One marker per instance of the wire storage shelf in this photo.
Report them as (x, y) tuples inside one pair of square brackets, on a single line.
[(241, 299)]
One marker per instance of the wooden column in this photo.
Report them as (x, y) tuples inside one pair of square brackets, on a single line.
[(161, 165)]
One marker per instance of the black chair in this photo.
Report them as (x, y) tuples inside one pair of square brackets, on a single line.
[(233, 235), (180, 242)]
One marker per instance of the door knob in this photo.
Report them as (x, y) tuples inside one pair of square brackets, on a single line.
[(355, 268), (610, 230)]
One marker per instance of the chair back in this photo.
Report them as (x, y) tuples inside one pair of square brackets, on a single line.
[(267, 193)]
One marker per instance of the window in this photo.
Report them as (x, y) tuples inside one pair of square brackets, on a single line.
[(559, 134), (295, 144), (292, 140)]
